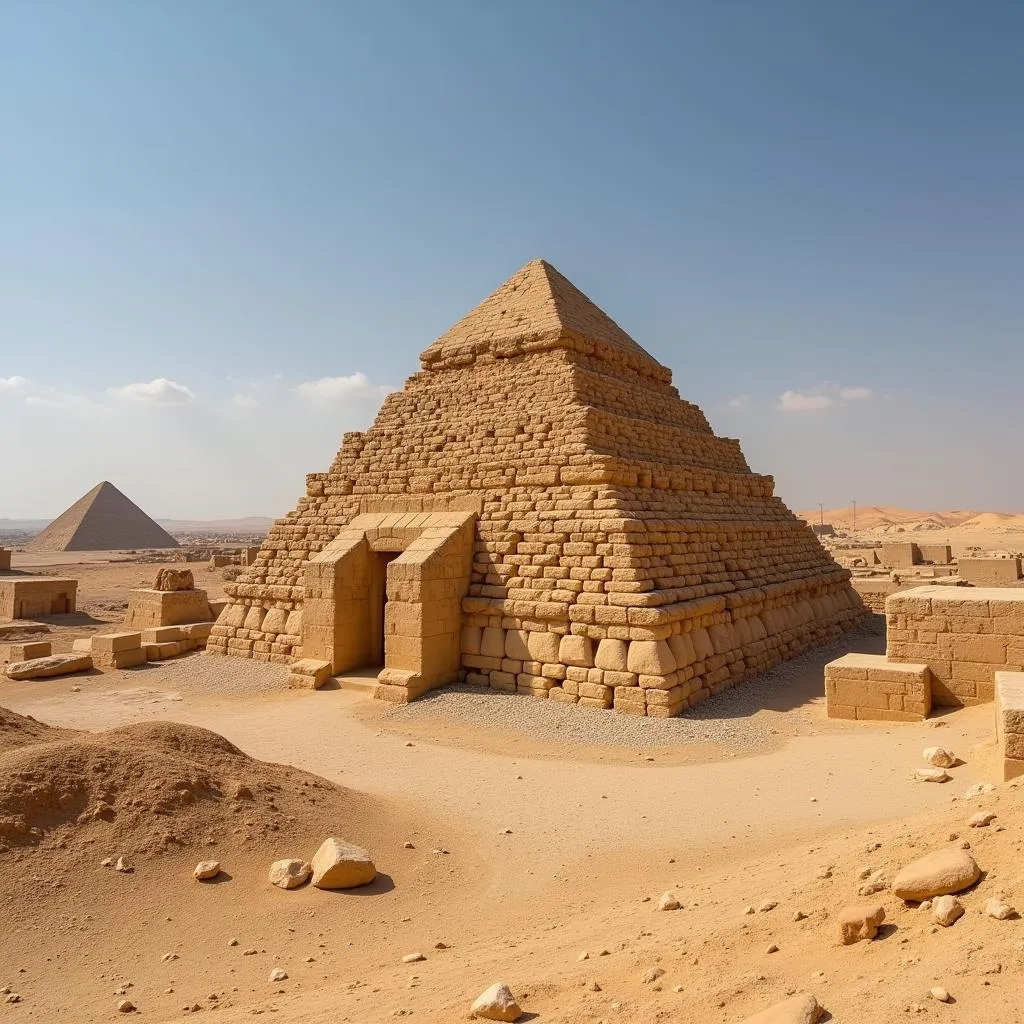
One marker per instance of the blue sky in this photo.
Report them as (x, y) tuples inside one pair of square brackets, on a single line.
[(812, 212)]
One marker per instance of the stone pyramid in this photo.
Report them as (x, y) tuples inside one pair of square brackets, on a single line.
[(542, 513), (102, 520)]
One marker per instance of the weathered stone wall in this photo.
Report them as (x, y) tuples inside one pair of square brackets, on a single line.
[(963, 635)]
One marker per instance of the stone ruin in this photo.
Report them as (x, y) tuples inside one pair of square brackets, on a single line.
[(539, 511), (173, 600)]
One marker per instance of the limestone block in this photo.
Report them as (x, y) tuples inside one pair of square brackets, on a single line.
[(274, 621), (25, 651), (492, 642), (147, 607), (470, 639), (162, 634), (54, 665), (702, 645), (516, 645), (543, 646), (612, 655), (309, 674), (109, 643), (576, 650), (650, 657)]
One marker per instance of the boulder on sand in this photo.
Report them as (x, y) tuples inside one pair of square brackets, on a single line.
[(936, 874), (497, 1003), (802, 1008), (340, 865), (289, 874)]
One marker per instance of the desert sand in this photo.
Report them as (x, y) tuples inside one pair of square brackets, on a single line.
[(512, 837)]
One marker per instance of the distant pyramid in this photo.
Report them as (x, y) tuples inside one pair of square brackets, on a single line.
[(102, 520)]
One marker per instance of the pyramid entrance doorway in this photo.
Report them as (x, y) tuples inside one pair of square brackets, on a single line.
[(388, 591)]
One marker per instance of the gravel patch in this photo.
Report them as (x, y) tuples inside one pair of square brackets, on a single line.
[(197, 673), (729, 719)]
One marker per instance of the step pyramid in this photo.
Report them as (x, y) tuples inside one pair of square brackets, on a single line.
[(102, 520), (619, 553)]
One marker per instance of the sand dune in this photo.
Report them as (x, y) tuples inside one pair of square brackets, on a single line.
[(881, 517)]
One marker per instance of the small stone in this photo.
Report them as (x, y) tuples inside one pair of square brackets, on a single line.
[(799, 915), (859, 923), (978, 789), (946, 910), (767, 905), (824, 872), (13, 997), (749, 910), (982, 819), (408, 846), (123, 866), (931, 775), (232, 942), (939, 993), (496, 1003), (207, 869), (940, 757), (869, 888), (668, 901), (413, 958), (773, 948), (107, 862), (126, 1006), (999, 910), (653, 975), (289, 874), (594, 987), (278, 975), (801, 1008), (583, 956)]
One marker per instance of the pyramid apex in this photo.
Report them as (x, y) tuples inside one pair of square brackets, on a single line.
[(538, 308)]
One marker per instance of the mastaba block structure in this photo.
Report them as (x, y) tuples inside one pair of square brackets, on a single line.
[(538, 511), (102, 520)]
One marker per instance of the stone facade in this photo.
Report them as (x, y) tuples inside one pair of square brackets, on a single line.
[(560, 521), (28, 597), (990, 571), (961, 636), (148, 607)]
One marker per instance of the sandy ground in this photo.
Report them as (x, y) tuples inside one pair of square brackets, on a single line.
[(538, 834)]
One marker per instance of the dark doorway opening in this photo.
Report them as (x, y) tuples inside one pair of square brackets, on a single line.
[(378, 603)]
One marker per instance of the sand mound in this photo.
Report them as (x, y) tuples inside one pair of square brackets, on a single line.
[(20, 731), (144, 789)]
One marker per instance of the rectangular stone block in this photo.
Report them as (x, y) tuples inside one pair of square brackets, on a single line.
[(25, 651), (110, 643)]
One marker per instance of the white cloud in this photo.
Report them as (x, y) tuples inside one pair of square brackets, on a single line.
[(802, 401), (738, 402), (855, 394), (333, 389), (12, 383), (159, 391), (821, 397), (245, 402)]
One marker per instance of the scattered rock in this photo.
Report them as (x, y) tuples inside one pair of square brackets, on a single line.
[(496, 1003), (857, 923), (413, 958), (123, 866), (940, 757), (981, 819), (946, 910), (653, 975), (802, 1008), (408, 846), (939, 993), (799, 915), (999, 910), (772, 948), (767, 905), (278, 975), (668, 901), (289, 874), (932, 775), (936, 874), (207, 869), (340, 865), (979, 789), (126, 1006)]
